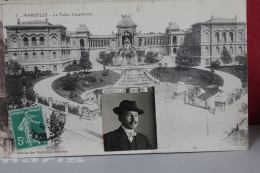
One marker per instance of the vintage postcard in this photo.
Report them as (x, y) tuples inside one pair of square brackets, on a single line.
[(115, 77)]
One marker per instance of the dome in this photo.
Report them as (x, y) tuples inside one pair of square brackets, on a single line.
[(82, 28), (173, 27), (126, 22)]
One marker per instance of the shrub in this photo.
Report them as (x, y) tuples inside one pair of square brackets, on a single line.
[(71, 95), (215, 64), (74, 62), (105, 73), (43, 101), (90, 79), (68, 83), (58, 106), (73, 110)]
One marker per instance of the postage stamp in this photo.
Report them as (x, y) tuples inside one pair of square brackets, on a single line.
[(28, 127)]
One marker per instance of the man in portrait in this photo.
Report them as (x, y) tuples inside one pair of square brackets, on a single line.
[(125, 137)]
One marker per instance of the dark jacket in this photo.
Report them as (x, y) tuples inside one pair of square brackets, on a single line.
[(117, 140)]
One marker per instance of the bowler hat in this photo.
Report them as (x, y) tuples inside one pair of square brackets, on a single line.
[(127, 105)]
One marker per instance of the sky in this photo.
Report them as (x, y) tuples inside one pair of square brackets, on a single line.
[(150, 16)]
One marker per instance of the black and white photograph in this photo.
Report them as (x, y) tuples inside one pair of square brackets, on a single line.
[(128, 121), (89, 66)]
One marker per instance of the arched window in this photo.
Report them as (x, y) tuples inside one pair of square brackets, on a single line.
[(206, 37), (53, 41), (174, 40), (140, 42), (174, 50), (41, 41), (217, 50), (217, 36), (33, 41), (82, 43), (25, 41), (207, 51), (231, 50), (231, 36), (34, 55), (26, 56), (224, 37), (240, 50), (42, 55), (240, 36), (54, 55), (14, 43)]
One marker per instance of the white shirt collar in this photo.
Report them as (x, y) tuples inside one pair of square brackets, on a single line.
[(127, 131)]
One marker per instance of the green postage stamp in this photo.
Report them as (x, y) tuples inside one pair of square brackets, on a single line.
[(28, 127)]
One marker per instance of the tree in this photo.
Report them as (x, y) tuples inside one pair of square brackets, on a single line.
[(36, 71), (84, 61), (68, 83), (242, 60), (55, 124), (184, 58), (105, 58), (215, 64), (151, 57), (225, 57), (14, 67)]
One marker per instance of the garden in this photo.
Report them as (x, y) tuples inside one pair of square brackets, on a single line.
[(74, 84), (21, 84), (238, 71), (195, 77)]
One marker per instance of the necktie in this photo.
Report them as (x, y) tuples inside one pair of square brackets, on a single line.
[(131, 135)]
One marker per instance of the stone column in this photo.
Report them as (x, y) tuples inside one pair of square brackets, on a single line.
[(66, 104), (80, 111), (50, 101), (36, 98)]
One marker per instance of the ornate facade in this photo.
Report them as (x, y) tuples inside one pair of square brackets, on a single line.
[(52, 47)]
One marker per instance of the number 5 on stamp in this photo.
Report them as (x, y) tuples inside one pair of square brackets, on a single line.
[(28, 127)]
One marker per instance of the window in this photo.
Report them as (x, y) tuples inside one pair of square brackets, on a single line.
[(174, 40), (14, 43), (53, 41), (217, 50), (217, 36), (25, 41), (42, 55), (240, 50), (41, 41), (26, 56), (240, 36), (34, 55), (231, 36), (174, 50), (207, 50), (231, 50), (206, 37), (224, 37), (54, 55), (82, 43), (33, 41), (140, 42)]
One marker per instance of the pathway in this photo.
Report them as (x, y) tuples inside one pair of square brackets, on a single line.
[(230, 82)]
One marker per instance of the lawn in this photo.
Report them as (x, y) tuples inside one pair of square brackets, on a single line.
[(191, 77), (80, 83), (238, 71)]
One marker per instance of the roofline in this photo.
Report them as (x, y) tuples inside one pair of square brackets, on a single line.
[(227, 22), (34, 26)]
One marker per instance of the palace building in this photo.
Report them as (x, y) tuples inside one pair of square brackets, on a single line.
[(51, 47)]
